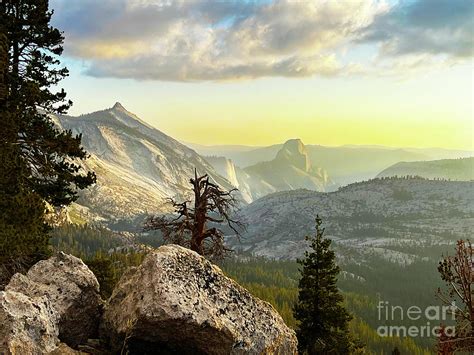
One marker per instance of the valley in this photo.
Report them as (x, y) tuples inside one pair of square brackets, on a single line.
[(390, 216)]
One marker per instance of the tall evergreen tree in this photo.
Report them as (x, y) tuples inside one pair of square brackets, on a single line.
[(23, 233), (323, 321), (37, 158)]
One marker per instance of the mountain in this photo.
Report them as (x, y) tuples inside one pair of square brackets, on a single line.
[(440, 153), (382, 216), (348, 164), (251, 187), (291, 169), (344, 164), (449, 169), (137, 166)]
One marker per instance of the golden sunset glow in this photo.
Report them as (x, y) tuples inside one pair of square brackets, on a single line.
[(261, 72)]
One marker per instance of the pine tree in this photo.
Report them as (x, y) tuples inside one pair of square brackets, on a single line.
[(323, 320), (23, 233), (37, 159), (33, 69)]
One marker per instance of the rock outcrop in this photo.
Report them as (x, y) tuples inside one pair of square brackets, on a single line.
[(27, 325), (177, 300), (291, 170), (69, 288)]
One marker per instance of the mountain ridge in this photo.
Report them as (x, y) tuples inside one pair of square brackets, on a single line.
[(344, 164), (361, 218), (461, 169), (138, 166)]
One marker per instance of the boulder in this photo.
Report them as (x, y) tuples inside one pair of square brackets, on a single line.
[(63, 349), (73, 291), (177, 301), (27, 325)]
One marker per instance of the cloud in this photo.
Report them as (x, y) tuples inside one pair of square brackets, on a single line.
[(232, 40), (426, 26)]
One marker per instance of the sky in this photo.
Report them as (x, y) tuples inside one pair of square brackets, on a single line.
[(396, 73)]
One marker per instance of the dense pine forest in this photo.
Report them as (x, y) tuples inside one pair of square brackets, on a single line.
[(276, 282)]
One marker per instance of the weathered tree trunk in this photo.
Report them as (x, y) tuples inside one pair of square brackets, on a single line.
[(3, 67), (190, 227)]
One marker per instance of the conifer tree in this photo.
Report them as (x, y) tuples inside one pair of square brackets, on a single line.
[(323, 321), (23, 233), (37, 159)]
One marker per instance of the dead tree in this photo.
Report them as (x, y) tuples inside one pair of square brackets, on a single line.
[(458, 273), (189, 227)]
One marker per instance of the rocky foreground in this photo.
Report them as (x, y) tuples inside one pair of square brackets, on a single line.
[(176, 302)]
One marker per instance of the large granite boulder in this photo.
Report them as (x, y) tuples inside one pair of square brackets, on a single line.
[(27, 325), (73, 291), (177, 301)]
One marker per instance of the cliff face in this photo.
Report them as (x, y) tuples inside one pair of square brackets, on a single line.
[(137, 165), (291, 169), (294, 153), (176, 301), (251, 187), (226, 168)]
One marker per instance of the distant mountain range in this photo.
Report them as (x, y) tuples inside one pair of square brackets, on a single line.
[(290, 169), (449, 169), (344, 164), (138, 166)]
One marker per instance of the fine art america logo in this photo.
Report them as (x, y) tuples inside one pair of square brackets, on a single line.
[(428, 320)]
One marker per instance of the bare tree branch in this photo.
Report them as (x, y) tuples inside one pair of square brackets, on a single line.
[(458, 273), (189, 225)]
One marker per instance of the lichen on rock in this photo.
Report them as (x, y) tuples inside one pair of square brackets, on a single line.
[(27, 325), (180, 301), (71, 288)]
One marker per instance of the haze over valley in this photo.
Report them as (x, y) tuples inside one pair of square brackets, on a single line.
[(141, 166), (386, 209)]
